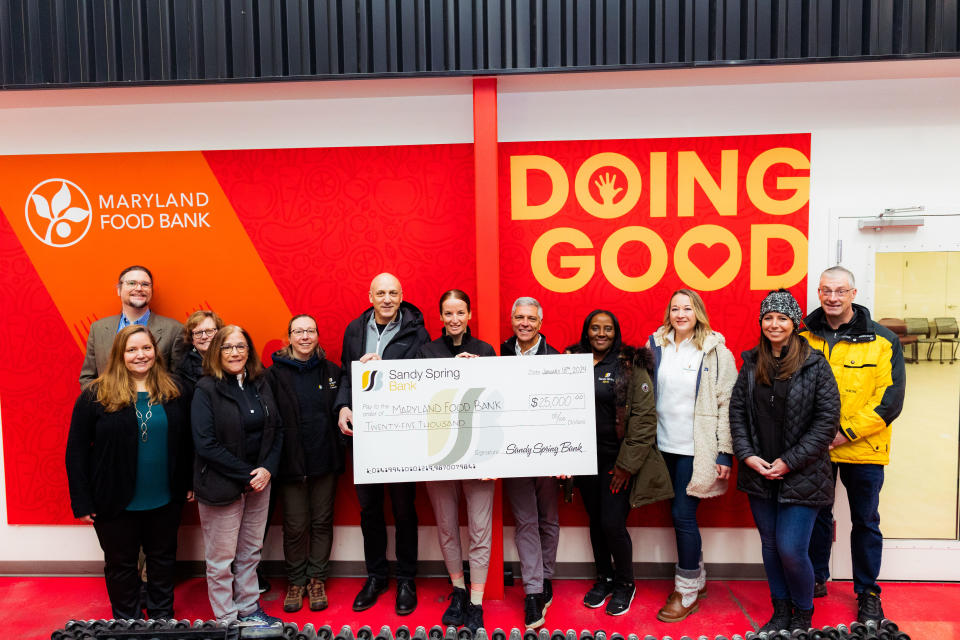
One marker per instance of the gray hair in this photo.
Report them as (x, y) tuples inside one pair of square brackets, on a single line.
[(524, 301), (838, 270)]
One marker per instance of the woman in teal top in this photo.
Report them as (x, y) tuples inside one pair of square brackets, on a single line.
[(129, 454)]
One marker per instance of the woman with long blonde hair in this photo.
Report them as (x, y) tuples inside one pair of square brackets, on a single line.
[(128, 457), (693, 376)]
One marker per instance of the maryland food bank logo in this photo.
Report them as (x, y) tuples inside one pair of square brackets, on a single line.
[(58, 213)]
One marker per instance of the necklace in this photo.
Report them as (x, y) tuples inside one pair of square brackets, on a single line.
[(144, 419)]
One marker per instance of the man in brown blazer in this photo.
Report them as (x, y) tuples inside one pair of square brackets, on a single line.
[(135, 288)]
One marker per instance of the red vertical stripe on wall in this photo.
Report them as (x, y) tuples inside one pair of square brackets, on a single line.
[(488, 271)]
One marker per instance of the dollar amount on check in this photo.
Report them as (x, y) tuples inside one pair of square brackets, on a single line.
[(461, 418)]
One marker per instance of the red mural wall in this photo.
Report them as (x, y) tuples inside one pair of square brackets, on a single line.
[(258, 235)]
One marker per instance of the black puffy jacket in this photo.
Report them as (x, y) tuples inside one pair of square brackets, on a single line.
[(811, 419)]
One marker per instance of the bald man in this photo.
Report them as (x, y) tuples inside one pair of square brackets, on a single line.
[(390, 329)]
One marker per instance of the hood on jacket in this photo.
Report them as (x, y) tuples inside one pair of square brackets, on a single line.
[(280, 356), (860, 329), (410, 316), (710, 342)]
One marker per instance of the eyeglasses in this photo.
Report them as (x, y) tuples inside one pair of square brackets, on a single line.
[(199, 333), (297, 333), (133, 284), (829, 293), (228, 348)]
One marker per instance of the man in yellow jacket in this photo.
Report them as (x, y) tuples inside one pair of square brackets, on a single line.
[(867, 362)]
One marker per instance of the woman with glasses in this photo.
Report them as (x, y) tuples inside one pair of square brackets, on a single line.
[(238, 437), (784, 414), (198, 332), (693, 377), (464, 609), (128, 458), (304, 384)]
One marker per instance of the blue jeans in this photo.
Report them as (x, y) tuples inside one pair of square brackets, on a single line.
[(863, 483), (683, 509), (785, 538)]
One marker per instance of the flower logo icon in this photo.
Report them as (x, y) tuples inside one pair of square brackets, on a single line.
[(58, 213)]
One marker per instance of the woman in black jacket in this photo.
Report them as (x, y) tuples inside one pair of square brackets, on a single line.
[(128, 466), (784, 413), (304, 384), (237, 434), (464, 609), (198, 332)]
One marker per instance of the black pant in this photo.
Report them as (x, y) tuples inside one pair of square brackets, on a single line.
[(608, 522), (121, 539), (307, 526), (374, 527)]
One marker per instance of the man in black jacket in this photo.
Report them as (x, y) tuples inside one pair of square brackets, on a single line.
[(391, 329), (534, 501)]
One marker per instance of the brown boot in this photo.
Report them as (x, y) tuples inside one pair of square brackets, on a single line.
[(294, 599), (317, 594), (685, 590)]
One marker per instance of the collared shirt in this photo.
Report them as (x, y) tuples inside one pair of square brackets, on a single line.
[(125, 322), (376, 340), (532, 350), (677, 395)]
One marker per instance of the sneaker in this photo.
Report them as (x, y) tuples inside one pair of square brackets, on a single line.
[(620, 600), (293, 601), (819, 590), (598, 594), (474, 618), (534, 610), (547, 593), (317, 594), (260, 618), (868, 607), (457, 610)]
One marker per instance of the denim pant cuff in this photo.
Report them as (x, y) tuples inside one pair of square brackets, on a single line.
[(688, 573)]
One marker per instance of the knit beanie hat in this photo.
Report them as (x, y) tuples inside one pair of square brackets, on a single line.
[(782, 301)]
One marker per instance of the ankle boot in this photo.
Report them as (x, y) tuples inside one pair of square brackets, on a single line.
[(801, 619), (702, 581), (782, 615), (683, 601)]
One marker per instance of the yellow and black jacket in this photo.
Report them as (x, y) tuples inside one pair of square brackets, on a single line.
[(867, 362)]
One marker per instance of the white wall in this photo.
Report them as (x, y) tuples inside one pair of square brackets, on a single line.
[(884, 134)]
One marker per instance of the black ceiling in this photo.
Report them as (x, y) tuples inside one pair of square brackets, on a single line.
[(57, 43)]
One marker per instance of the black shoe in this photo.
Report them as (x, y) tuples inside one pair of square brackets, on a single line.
[(547, 593), (598, 594), (406, 596), (622, 597), (868, 607), (534, 610), (819, 589), (457, 610), (474, 619), (368, 595), (801, 619), (782, 614)]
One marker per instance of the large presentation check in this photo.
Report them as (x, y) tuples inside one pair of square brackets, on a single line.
[(461, 418)]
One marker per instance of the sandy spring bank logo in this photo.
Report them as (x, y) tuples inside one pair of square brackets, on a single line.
[(371, 381), (58, 213)]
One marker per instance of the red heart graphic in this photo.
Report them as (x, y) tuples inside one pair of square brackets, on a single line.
[(709, 258)]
